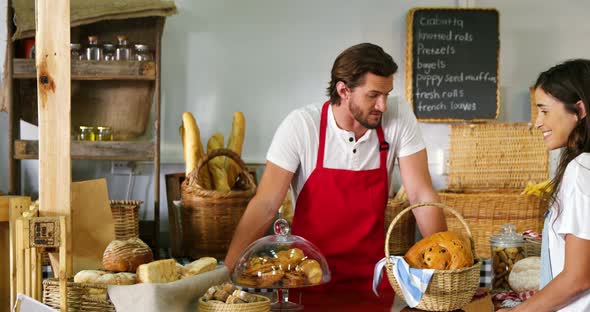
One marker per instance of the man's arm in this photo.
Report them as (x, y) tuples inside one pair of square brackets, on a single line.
[(261, 210), (418, 184)]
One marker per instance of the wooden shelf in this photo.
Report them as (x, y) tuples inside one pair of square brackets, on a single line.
[(93, 70), (113, 150)]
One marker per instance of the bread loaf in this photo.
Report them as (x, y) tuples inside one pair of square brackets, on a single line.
[(126, 255), (235, 143), (202, 265), (193, 149), (525, 275), (217, 164), (88, 276), (441, 251), (161, 271)]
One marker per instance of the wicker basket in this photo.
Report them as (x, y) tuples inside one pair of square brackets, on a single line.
[(126, 218), (532, 247), (81, 296), (209, 217), (448, 289), (405, 232), (489, 166), (260, 306)]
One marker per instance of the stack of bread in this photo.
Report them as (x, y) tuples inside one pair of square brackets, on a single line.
[(220, 173), (228, 293), (441, 251)]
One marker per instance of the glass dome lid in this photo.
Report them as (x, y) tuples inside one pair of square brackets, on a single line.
[(281, 261)]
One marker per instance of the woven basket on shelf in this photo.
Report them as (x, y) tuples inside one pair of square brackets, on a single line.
[(489, 166), (404, 234), (126, 218), (81, 296), (209, 217), (260, 306), (448, 289)]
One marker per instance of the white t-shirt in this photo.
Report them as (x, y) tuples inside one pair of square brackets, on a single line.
[(295, 144), (574, 218)]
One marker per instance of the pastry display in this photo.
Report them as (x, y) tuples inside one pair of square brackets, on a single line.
[(441, 251)]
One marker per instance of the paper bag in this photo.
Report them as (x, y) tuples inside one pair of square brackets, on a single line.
[(180, 296)]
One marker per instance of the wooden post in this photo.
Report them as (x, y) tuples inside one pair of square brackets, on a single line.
[(52, 54)]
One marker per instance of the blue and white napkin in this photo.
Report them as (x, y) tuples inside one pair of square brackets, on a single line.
[(413, 282)]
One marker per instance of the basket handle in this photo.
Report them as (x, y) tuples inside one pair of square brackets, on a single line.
[(193, 175), (445, 207)]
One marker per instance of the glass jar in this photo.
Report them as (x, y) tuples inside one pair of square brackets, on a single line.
[(93, 51), (86, 133), (507, 249), (142, 53), (123, 52), (108, 52), (104, 134), (76, 51)]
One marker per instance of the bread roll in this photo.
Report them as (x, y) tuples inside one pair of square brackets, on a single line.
[(202, 265), (123, 278), (235, 143), (441, 251), (525, 275), (126, 256), (161, 271), (217, 164), (88, 276), (193, 149)]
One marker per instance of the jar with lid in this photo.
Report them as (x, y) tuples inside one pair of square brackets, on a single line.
[(76, 52), (142, 53), (507, 249), (108, 52), (86, 133), (93, 51), (104, 134), (123, 52)]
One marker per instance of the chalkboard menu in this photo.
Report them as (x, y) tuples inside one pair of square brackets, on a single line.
[(452, 64)]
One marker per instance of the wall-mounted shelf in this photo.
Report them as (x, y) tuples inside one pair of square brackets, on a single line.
[(93, 70), (98, 150)]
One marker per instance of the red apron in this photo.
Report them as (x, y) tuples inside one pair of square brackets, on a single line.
[(342, 212)]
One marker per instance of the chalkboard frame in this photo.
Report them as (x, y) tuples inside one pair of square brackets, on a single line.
[(409, 74)]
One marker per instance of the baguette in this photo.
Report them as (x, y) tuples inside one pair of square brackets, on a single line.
[(235, 143), (216, 165), (193, 149)]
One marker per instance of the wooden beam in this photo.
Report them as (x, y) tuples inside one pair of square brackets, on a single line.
[(13, 122), (52, 52), (93, 70), (107, 150)]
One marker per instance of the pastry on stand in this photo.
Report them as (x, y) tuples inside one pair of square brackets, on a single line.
[(280, 262)]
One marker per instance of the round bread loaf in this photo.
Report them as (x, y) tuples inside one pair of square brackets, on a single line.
[(88, 276), (441, 251), (525, 275), (127, 255)]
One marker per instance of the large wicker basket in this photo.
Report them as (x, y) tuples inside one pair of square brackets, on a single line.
[(260, 306), (81, 296), (404, 233), (489, 166), (209, 217), (126, 218), (448, 289)]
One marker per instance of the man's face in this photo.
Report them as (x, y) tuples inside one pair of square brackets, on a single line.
[(369, 101), (553, 120)]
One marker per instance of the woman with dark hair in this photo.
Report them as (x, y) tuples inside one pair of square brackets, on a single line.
[(562, 95)]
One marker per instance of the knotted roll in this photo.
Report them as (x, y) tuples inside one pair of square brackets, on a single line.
[(441, 251), (126, 255)]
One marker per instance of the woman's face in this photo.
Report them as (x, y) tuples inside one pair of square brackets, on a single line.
[(553, 120)]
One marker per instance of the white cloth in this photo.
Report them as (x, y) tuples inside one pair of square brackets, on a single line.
[(413, 282), (573, 218), (295, 144)]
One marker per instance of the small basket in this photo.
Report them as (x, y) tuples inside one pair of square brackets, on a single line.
[(448, 289), (532, 246), (79, 296), (210, 217), (260, 306), (126, 218), (405, 232)]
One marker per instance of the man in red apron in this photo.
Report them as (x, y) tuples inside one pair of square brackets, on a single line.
[(338, 158)]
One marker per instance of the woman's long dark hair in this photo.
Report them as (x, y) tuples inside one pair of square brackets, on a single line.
[(569, 82)]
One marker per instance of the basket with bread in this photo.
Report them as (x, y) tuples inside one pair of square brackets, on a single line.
[(452, 257), (227, 297), (216, 190)]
